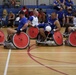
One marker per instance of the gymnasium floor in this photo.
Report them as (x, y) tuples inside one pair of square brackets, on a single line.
[(38, 60)]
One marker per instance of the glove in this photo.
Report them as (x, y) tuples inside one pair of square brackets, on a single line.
[(18, 32), (54, 30), (34, 26)]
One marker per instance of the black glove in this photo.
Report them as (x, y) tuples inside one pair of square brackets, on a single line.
[(18, 32)]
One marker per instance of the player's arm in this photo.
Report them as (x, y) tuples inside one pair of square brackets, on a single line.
[(25, 26), (30, 21), (57, 25), (13, 17)]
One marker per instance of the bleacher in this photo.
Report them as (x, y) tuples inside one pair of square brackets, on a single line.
[(47, 8), (16, 10)]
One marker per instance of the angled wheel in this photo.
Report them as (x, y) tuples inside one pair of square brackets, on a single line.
[(21, 41), (33, 32), (72, 38), (58, 38), (2, 37)]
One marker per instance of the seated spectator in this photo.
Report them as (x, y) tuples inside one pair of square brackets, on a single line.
[(31, 12), (11, 18), (25, 10), (57, 4), (17, 3), (42, 16), (62, 3), (68, 3), (71, 23), (4, 17), (61, 16), (6, 3), (71, 26), (17, 19), (12, 3), (69, 15)]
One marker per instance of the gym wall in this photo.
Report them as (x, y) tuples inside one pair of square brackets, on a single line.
[(34, 2)]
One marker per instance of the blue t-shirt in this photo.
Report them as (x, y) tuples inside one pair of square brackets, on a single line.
[(57, 4), (68, 3), (31, 18), (60, 14), (61, 1), (22, 22), (68, 14), (50, 23)]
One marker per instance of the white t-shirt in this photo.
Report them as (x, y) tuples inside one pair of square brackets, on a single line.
[(17, 19), (35, 21)]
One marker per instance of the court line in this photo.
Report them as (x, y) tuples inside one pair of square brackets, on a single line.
[(28, 52), (42, 66), (42, 52), (7, 62)]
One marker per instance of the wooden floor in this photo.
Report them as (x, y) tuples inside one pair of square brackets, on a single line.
[(38, 60)]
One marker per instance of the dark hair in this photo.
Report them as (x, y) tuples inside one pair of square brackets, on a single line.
[(24, 7), (21, 12)]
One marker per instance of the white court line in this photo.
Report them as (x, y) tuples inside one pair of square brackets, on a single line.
[(42, 66), (41, 52), (7, 62)]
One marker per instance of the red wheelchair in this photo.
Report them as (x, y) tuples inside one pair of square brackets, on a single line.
[(33, 32), (21, 41), (56, 39), (2, 37), (71, 39), (18, 41)]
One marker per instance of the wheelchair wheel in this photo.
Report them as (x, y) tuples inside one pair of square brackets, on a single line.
[(21, 41), (58, 38), (72, 38), (33, 32), (2, 37)]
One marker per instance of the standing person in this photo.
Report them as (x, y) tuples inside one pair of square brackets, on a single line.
[(33, 20), (22, 25)]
